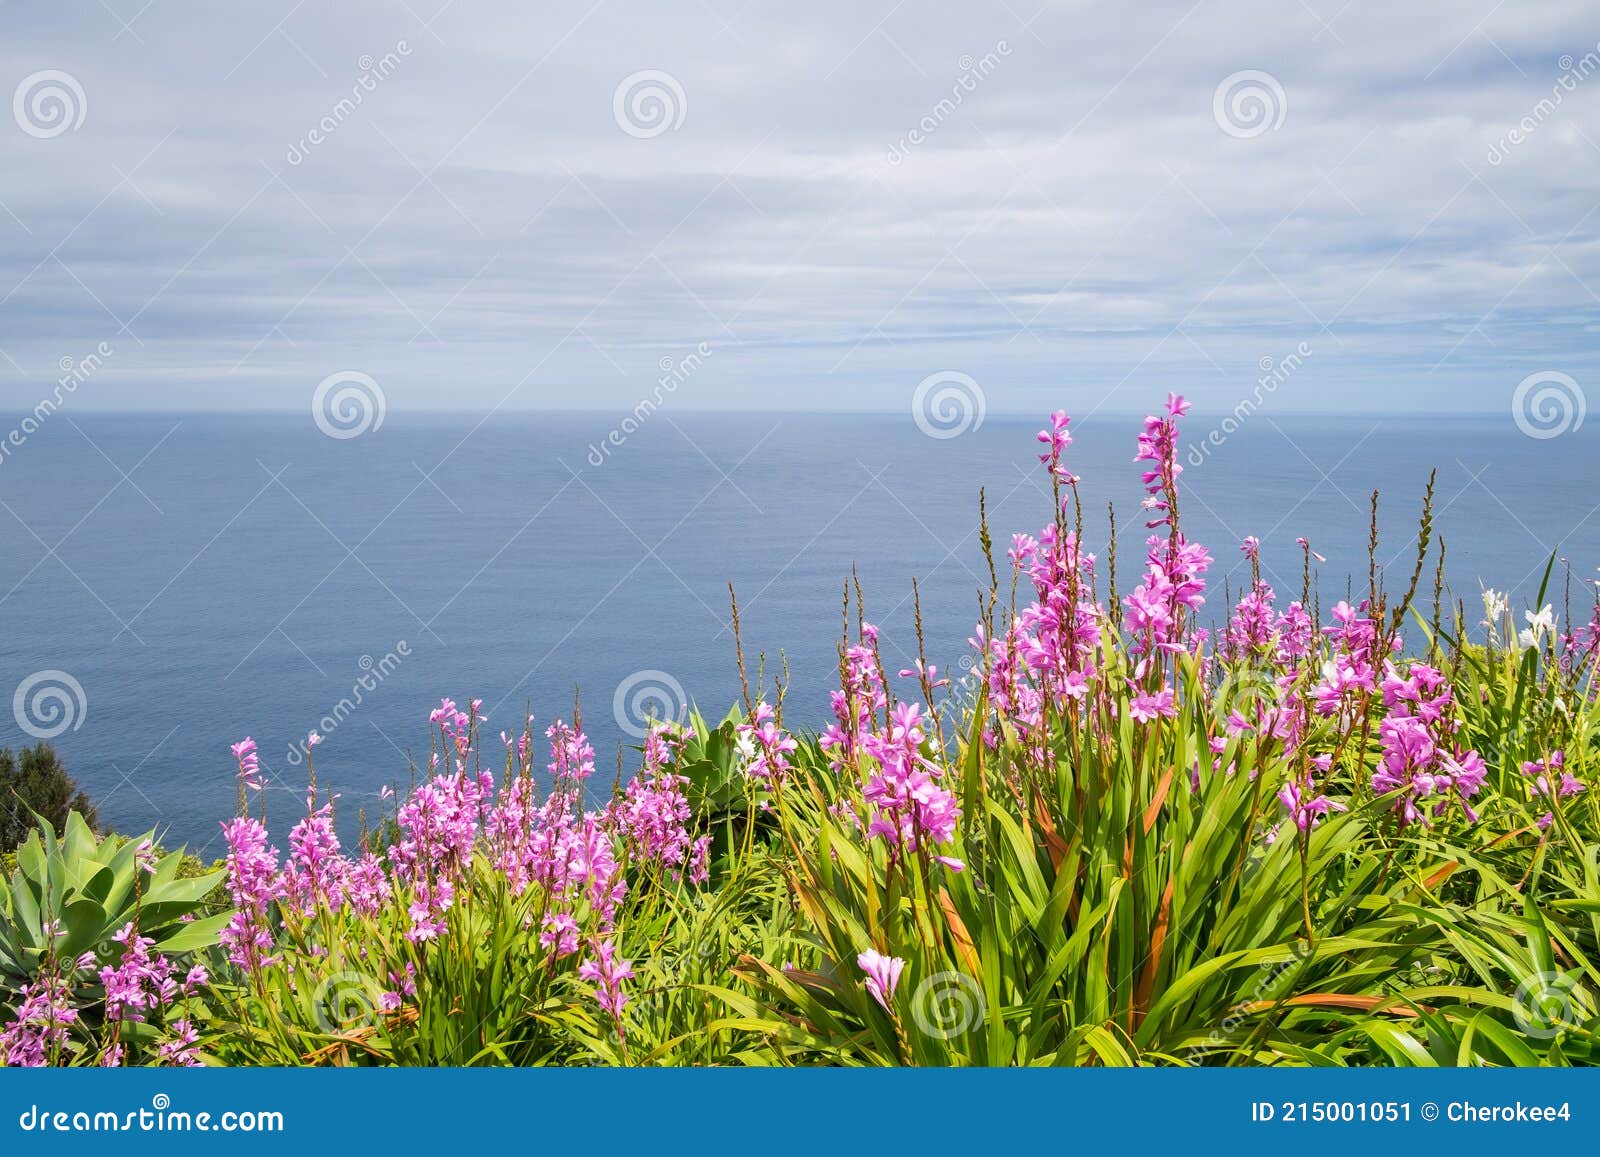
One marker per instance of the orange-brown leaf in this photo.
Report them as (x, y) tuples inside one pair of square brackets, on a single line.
[(959, 934)]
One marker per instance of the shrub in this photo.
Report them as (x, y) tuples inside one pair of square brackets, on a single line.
[(34, 785)]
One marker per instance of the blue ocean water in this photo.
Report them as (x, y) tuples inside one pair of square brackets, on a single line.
[(203, 578)]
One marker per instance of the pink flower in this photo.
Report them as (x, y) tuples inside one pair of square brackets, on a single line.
[(1146, 707), (141, 981), (910, 809), (560, 933), (765, 746), (38, 1030), (917, 671), (608, 973), (402, 985), (182, 1048), (1057, 439), (249, 762), (883, 973), (653, 812), (1540, 771), (315, 875), (1306, 808), (253, 884)]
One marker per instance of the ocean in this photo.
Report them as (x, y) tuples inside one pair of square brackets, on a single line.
[(186, 580)]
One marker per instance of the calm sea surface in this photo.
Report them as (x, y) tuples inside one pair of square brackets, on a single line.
[(202, 578)]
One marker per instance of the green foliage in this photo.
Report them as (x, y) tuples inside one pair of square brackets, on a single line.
[(489, 992), (1107, 913), (710, 760), (485, 989), (73, 906), (86, 888)]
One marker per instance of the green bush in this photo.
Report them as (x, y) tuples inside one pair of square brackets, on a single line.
[(37, 785)]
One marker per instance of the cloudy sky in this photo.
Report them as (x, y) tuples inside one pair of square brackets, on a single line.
[(481, 203)]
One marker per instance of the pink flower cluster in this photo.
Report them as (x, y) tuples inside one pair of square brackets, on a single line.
[(44, 1016), (883, 975), (139, 984), (1174, 576), (908, 807), (457, 819), (249, 761), (1419, 754), (1541, 771), (654, 809), (607, 972), (1281, 674), (910, 810), (765, 746), (254, 884), (856, 703), (140, 981)]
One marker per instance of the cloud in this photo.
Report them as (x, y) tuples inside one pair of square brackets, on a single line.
[(843, 199)]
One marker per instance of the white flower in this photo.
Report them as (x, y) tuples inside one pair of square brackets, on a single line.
[(1539, 625), (1496, 610)]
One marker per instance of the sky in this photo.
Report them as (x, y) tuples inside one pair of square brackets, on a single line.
[(495, 205)]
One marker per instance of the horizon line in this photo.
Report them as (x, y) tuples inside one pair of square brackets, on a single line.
[(900, 411)]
